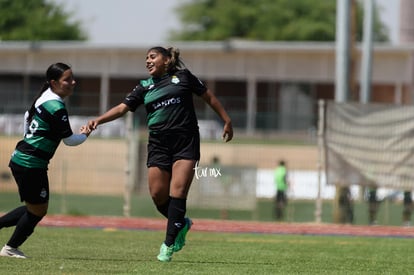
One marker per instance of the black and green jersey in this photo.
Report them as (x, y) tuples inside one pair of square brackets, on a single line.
[(168, 101), (49, 125)]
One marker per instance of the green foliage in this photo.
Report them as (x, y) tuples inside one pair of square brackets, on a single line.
[(380, 31), (36, 20), (266, 20)]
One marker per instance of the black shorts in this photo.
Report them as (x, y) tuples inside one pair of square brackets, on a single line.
[(165, 149), (33, 183)]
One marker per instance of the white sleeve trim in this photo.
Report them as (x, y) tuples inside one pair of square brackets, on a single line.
[(25, 123), (75, 139)]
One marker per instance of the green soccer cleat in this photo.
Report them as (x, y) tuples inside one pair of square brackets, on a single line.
[(166, 253), (180, 239)]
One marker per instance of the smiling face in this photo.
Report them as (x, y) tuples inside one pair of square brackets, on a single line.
[(64, 85), (156, 63)]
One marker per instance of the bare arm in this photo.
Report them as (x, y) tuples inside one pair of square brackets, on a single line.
[(111, 114), (215, 104)]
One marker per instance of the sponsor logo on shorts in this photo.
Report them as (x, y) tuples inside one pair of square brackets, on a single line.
[(43, 193)]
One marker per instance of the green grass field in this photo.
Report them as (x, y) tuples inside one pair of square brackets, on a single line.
[(96, 251)]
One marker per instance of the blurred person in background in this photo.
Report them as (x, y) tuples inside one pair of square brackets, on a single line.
[(174, 139), (46, 124), (373, 204), (282, 185), (346, 205), (407, 208)]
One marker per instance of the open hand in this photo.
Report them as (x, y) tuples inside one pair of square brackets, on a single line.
[(84, 129)]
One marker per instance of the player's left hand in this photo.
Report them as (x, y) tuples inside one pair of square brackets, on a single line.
[(227, 132)]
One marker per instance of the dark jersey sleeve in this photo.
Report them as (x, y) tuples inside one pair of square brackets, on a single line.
[(135, 98), (62, 125), (196, 84)]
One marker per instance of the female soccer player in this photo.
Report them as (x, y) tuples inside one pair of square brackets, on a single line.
[(46, 124), (174, 140)]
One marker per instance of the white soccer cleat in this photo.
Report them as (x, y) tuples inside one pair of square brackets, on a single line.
[(8, 251)]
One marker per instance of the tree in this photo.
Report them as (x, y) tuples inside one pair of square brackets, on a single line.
[(36, 20), (267, 20)]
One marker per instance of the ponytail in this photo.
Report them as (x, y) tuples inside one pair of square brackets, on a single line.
[(32, 109), (175, 62)]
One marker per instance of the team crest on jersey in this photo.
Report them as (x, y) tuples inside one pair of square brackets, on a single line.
[(175, 79)]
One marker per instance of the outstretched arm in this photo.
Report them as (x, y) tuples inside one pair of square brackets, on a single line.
[(215, 104), (110, 115), (76, 139)]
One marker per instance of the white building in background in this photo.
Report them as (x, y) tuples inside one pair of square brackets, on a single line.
[(266, 86)]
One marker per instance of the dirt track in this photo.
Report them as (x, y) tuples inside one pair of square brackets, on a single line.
[(231, 226)]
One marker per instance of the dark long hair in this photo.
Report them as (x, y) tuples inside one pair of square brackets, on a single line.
[(54, 72), (174, 54)]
